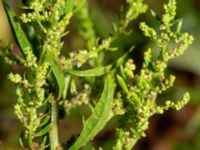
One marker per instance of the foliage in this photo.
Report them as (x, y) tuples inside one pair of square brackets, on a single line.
[(51, 80)]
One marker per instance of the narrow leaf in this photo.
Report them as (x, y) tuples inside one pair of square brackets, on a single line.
[(43, 131), (59, 75), (99, 70), (122, 83), (73, 90), (21, 142), (123, 74), (99, 117), (45, 121), (57, 72), (43, 144), (18, 32), (67, 80)]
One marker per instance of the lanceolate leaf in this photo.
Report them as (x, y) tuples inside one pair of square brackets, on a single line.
[(43, 131), (66, 83), (57, 72), (73, 89), (18, 32), (99, 117), (99, 70), (45, 121), (122, 83), (59, 75)]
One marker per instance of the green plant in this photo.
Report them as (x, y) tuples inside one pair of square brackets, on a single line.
[(51, 80)]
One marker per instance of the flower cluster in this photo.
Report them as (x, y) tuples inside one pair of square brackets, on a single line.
[(152, 79), (51, 81)]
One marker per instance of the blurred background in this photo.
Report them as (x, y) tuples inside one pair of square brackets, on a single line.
[(174, 130)]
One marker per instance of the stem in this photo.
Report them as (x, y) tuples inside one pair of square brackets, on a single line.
[(30, 135), (53, 134)]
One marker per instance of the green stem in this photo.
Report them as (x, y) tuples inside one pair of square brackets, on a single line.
[(30, 134), (53, 134)]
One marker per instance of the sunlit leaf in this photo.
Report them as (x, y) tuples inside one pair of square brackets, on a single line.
[(99, 117), (45, 121), (122, 83), (43, 131), (57, 72), (99, 70), (66, 84)]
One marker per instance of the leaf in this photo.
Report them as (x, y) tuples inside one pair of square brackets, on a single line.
[(18, 32), (122, 84), (99, 117), (43, 131), (99, 70), (57, 72), (45, 121), (67, 81), (104, 29), (73, 90), (59, 75), (43, 144), (21, 142), (80, 5)]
